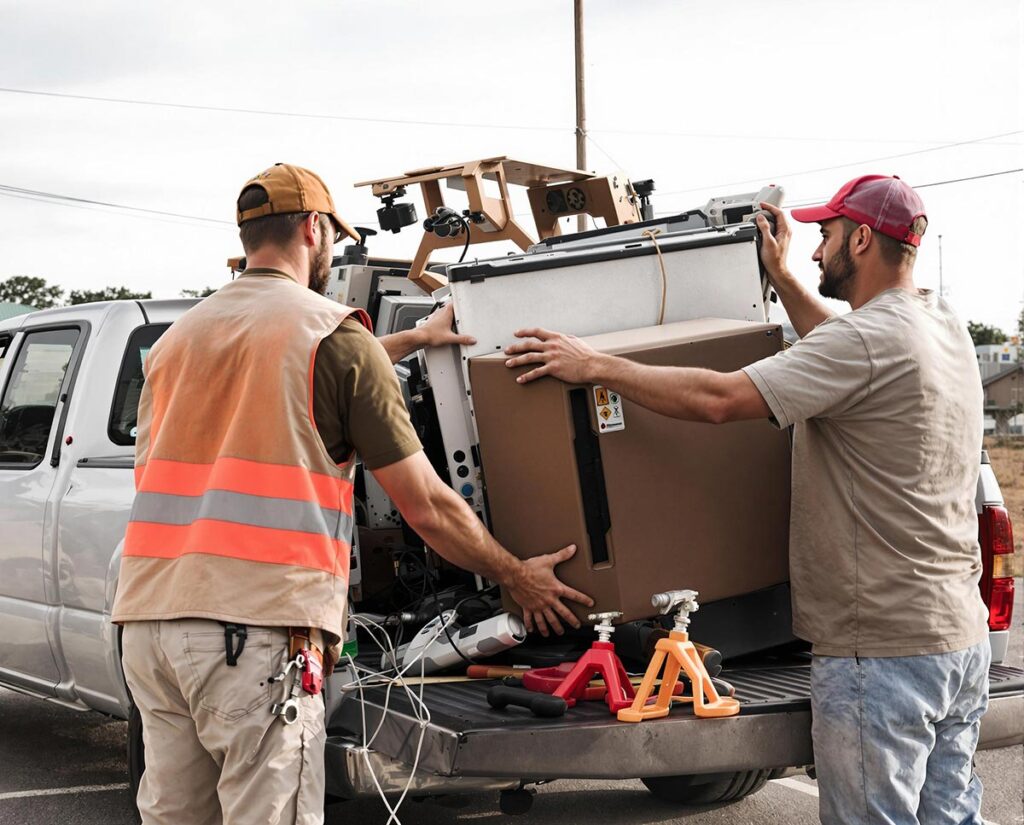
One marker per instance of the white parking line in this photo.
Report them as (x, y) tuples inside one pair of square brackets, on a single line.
[(120, 786)]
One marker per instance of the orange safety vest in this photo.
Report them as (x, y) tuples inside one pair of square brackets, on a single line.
[(240, 515)]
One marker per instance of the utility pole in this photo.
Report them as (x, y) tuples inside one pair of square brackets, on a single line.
[(942, 293), (581, 104)]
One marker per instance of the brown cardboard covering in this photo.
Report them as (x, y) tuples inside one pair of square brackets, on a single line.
[(691, 505)]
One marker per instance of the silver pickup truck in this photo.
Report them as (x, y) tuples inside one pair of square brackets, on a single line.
[(70, 381)]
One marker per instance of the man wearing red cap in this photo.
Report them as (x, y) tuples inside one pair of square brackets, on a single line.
[(886, 405)]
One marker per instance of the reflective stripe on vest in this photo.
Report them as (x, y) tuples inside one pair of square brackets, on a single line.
[(242, 509)]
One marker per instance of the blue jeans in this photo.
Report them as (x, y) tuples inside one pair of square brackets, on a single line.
[(894, 738)]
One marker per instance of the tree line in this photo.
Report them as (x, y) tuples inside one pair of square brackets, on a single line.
[(986, 334), (38, 294)]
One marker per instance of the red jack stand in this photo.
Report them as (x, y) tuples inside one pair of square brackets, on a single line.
[(599, 660), (678, 653)]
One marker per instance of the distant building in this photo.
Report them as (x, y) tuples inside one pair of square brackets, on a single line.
[(995, 358), (9, 310), (1004, 400)]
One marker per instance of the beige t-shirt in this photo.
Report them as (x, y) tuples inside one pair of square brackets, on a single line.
[(887, 407)]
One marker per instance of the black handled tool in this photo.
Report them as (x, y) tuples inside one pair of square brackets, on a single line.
[(541, 704)]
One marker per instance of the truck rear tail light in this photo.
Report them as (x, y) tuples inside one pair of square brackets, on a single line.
[(1000, 610), (997, 556)]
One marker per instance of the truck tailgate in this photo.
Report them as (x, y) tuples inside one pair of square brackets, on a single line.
[(467, 738)]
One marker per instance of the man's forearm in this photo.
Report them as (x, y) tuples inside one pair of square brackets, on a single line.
[(679, 392), (453, 530), (804, 310), (400, 344)]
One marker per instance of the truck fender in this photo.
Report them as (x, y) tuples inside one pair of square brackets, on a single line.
[(112, 632)]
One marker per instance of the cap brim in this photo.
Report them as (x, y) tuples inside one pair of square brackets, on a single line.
[(344, 227), (814, 214)]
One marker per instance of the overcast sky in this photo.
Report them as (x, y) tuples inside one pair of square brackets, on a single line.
[(707, 98)]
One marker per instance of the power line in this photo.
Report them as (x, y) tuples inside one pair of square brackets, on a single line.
[(841, 165), (972, 177), (601, 149), (274, 113), (104, 211), (449, 124), (70, 201), (785, 138), (818, 201), (52, 196)]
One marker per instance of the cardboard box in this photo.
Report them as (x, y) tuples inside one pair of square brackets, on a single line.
[(652, 503)]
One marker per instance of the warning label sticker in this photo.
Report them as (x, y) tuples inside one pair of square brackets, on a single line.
[(609, 410)]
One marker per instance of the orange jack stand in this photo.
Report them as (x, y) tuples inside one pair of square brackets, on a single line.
[(677, 653)]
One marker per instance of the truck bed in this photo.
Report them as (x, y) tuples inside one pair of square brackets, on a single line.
[(467, 738)]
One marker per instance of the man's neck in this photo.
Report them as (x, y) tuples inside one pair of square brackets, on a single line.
[(871, 283), (294, 265)]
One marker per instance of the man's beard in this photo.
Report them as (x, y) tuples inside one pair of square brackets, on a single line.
[(320, 266), (837, 274)]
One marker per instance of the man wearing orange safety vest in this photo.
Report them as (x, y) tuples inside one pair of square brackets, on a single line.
[(257, 402)]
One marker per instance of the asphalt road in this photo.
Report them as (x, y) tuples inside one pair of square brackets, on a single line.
[(62, 766)]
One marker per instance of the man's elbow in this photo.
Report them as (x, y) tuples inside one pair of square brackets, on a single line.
[(718, 410), (421, 516), (734, 398)]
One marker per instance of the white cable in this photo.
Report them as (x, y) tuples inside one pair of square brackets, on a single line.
[(419, 707), (422, 713), (398, 678)]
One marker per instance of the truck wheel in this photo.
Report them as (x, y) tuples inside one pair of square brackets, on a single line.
[(706, 788), (136, 751)]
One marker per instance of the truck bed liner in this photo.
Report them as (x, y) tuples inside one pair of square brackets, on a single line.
[(466, 737)]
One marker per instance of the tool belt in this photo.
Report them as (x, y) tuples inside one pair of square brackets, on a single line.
[(299, 639), (310, 639)]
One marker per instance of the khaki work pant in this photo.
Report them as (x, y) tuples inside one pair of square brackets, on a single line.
[(214, 753)]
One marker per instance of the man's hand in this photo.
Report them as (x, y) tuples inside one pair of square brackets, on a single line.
[(539, 592), (442, 518), (437, 331), (774, 247), (563, 356)]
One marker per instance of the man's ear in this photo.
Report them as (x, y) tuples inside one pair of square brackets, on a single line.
[(860, 240), (309, 228)]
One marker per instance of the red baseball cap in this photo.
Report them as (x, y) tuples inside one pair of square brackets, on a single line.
[(884, 203)]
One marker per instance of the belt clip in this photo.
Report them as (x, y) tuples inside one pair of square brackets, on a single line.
[(232, 653)]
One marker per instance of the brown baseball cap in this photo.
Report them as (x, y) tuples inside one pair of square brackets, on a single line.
[(292, 189)]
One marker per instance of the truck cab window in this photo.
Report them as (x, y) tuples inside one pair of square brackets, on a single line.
[(31, 395), (125, 410)]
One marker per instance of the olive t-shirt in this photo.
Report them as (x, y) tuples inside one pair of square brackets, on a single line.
[(887, 407), (357, 402)]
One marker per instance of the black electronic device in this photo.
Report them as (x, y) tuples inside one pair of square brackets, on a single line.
[(356, 253), (643, 190), (444, 223), (392, 216)]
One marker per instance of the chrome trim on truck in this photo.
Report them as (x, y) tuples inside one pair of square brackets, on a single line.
[(449, 761), (467, 738)]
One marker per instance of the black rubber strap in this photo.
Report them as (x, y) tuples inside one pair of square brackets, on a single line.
[(591, 477), (231, 653)]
